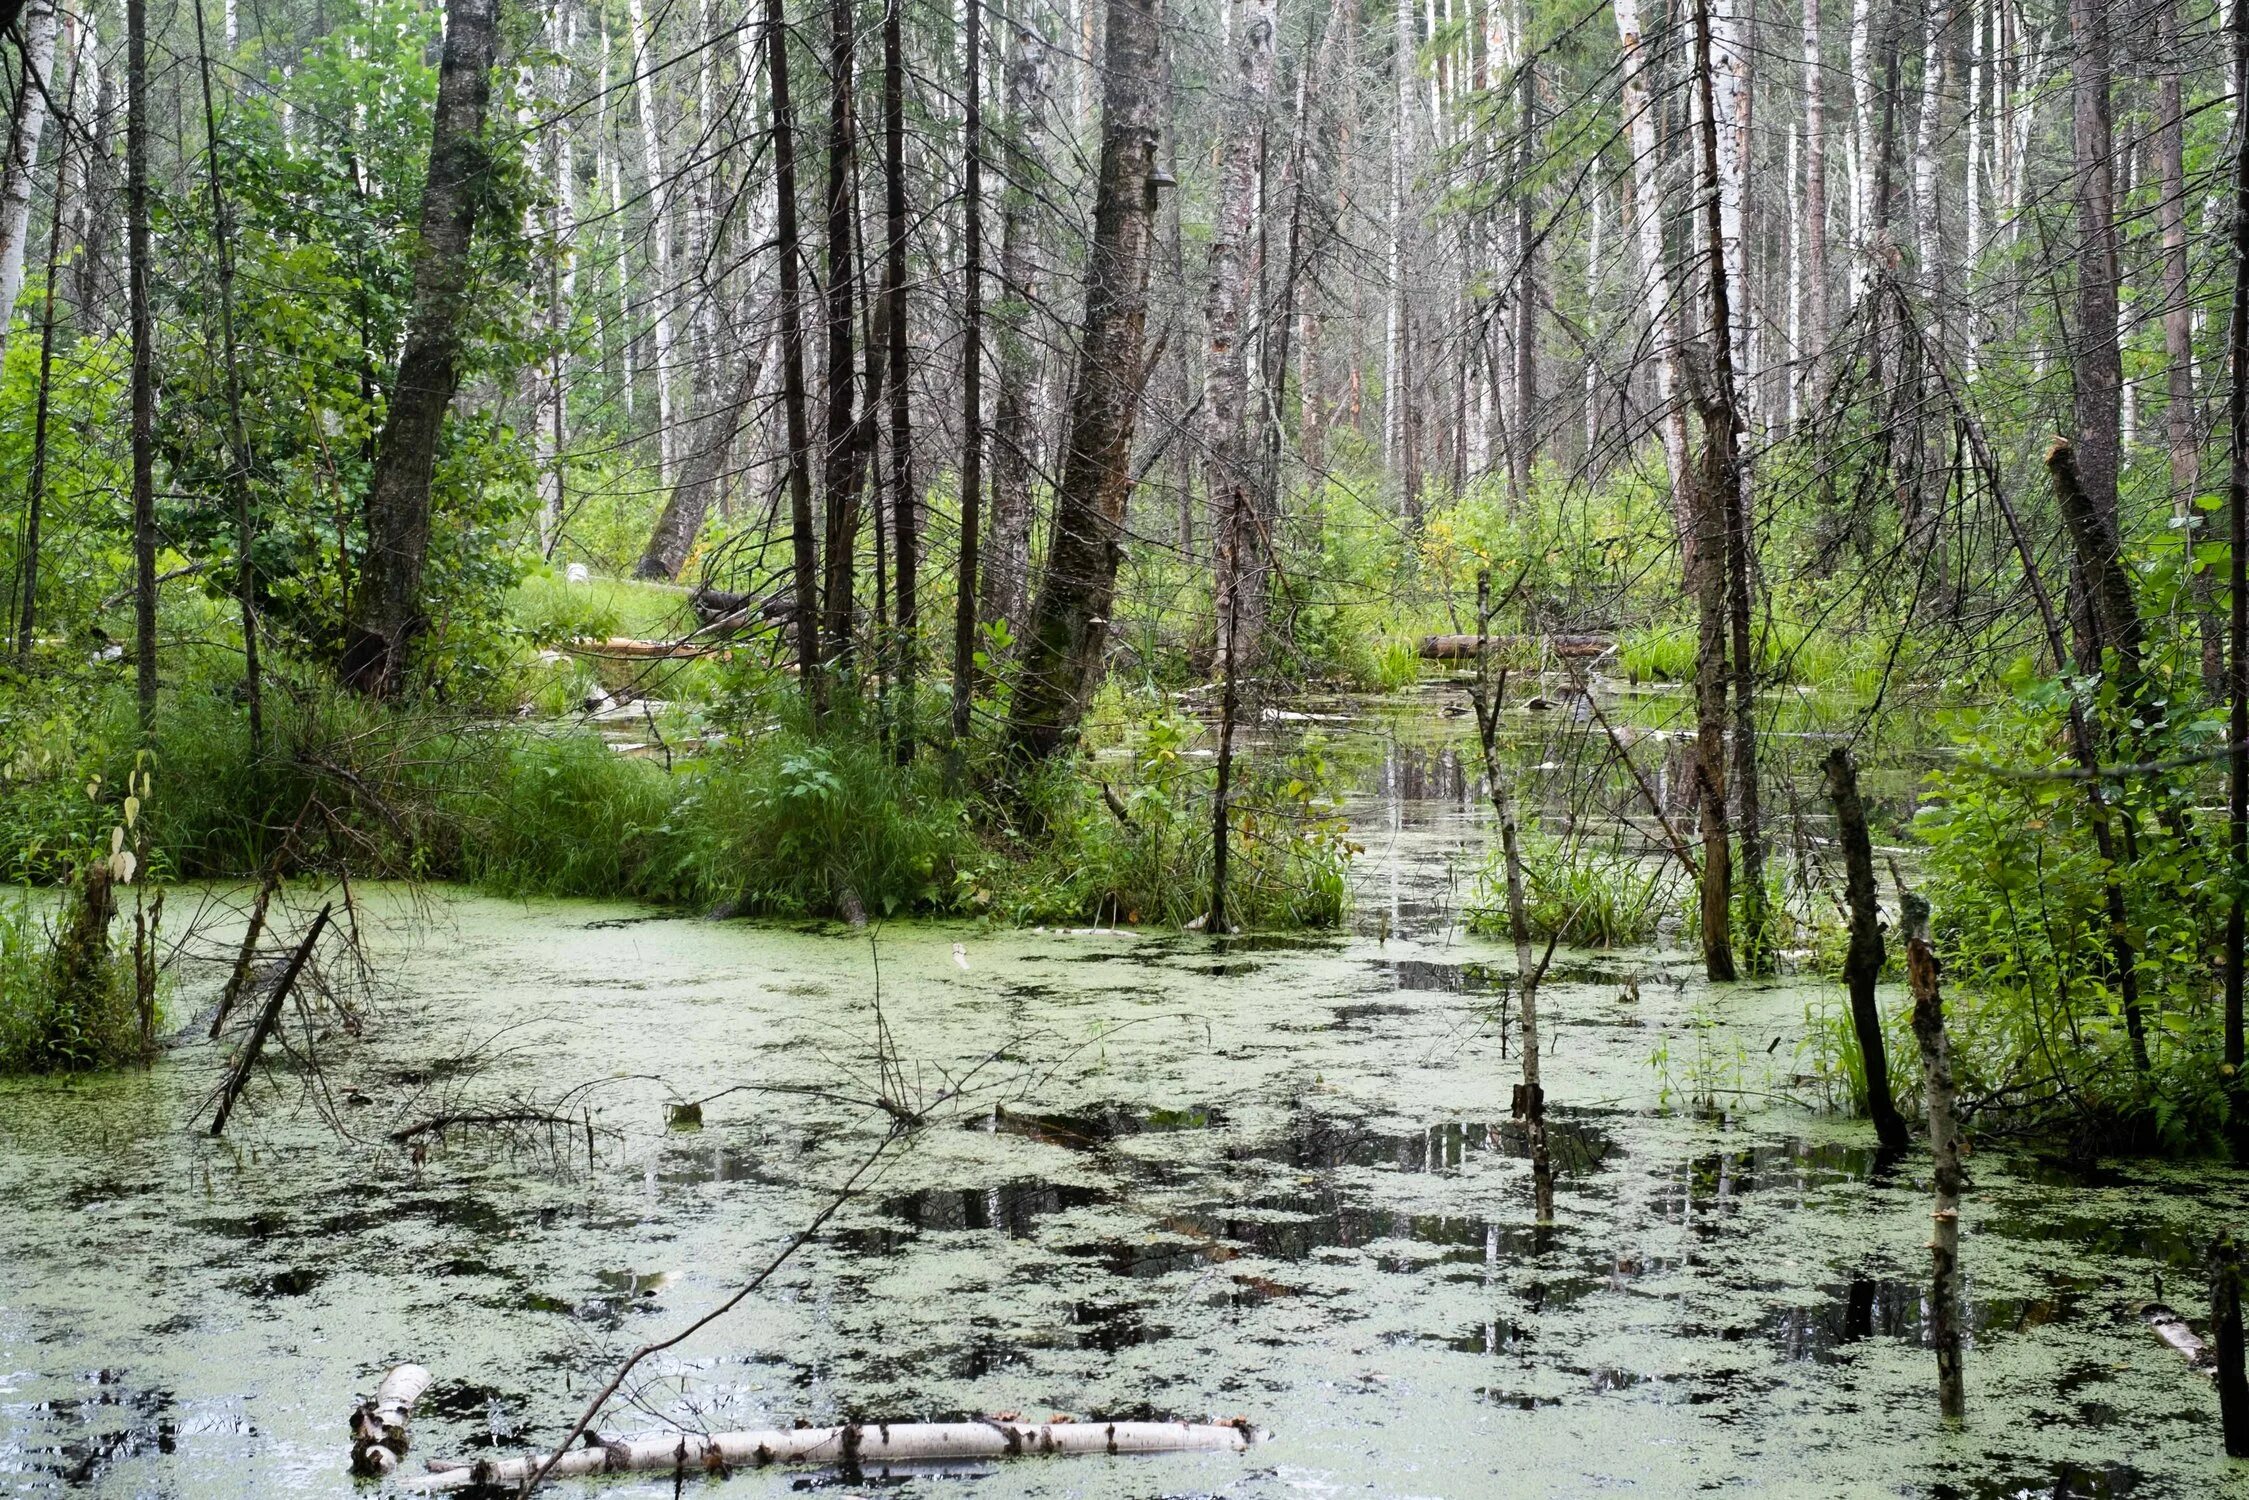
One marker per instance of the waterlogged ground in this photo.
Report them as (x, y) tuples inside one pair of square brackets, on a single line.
[(1252, 1178)]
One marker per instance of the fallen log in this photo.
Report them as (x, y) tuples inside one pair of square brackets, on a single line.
[(870, 1446), (378, 1426), (626, 648), (1567, 647)]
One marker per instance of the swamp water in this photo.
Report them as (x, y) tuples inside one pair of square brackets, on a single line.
[(1259, 1178)]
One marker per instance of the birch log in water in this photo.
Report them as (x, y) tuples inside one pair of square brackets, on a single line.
[(862, 1447), (378, 1426)]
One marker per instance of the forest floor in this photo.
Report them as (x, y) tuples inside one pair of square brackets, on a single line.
[(1260, 1177)]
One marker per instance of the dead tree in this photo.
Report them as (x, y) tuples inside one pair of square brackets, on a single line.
[(1862, 967)]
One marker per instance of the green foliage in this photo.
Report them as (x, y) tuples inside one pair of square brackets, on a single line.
[(2020, 894)]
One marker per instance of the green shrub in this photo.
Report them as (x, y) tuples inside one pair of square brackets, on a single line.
[(68, 997)]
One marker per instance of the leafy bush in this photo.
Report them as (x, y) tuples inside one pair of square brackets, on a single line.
[(2020, 893), (1578, 895)]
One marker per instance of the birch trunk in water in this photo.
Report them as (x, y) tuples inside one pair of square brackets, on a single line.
[(1530, 1094), (1238, 564), (1069, 624), (1944, 1146), (388, 612)]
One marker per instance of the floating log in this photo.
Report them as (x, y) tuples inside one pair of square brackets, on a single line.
[(2173, 1330), (863, 1447), (378, 1427), (1568, 647)]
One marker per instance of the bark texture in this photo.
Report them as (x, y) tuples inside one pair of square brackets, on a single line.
[(1069, 624), (388, 613)]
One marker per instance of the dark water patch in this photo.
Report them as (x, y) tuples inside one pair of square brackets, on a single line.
[(2064, 1481), (1442, 978), (1011, 1208), (1322, 1143), (1110, 1326), (79, 1435), (1098, 1126), (2171, 1246), (1278, 942), (295, 1281), (93, 1194), (488, 1412), (1879, 1307), (247, 1227)]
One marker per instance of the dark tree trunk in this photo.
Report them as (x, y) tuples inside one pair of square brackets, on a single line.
[(972, 389), (1006, 563), (1862, 968), (2225, 1340), (842, 465), (2096, 355), (144, 357), (387, 614), (904, 525), (1062, 653), (2107, 580), (803, 545)]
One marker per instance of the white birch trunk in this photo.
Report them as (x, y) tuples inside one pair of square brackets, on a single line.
[(1394, 335), (1799, 215), (39, 23), (1926, 187), (1863, 144), (867, 1448), (1729, 39), (660, 232), (1592, 361)]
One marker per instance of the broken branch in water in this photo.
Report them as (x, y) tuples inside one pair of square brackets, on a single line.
[(239, 1079), (856, 1447)]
